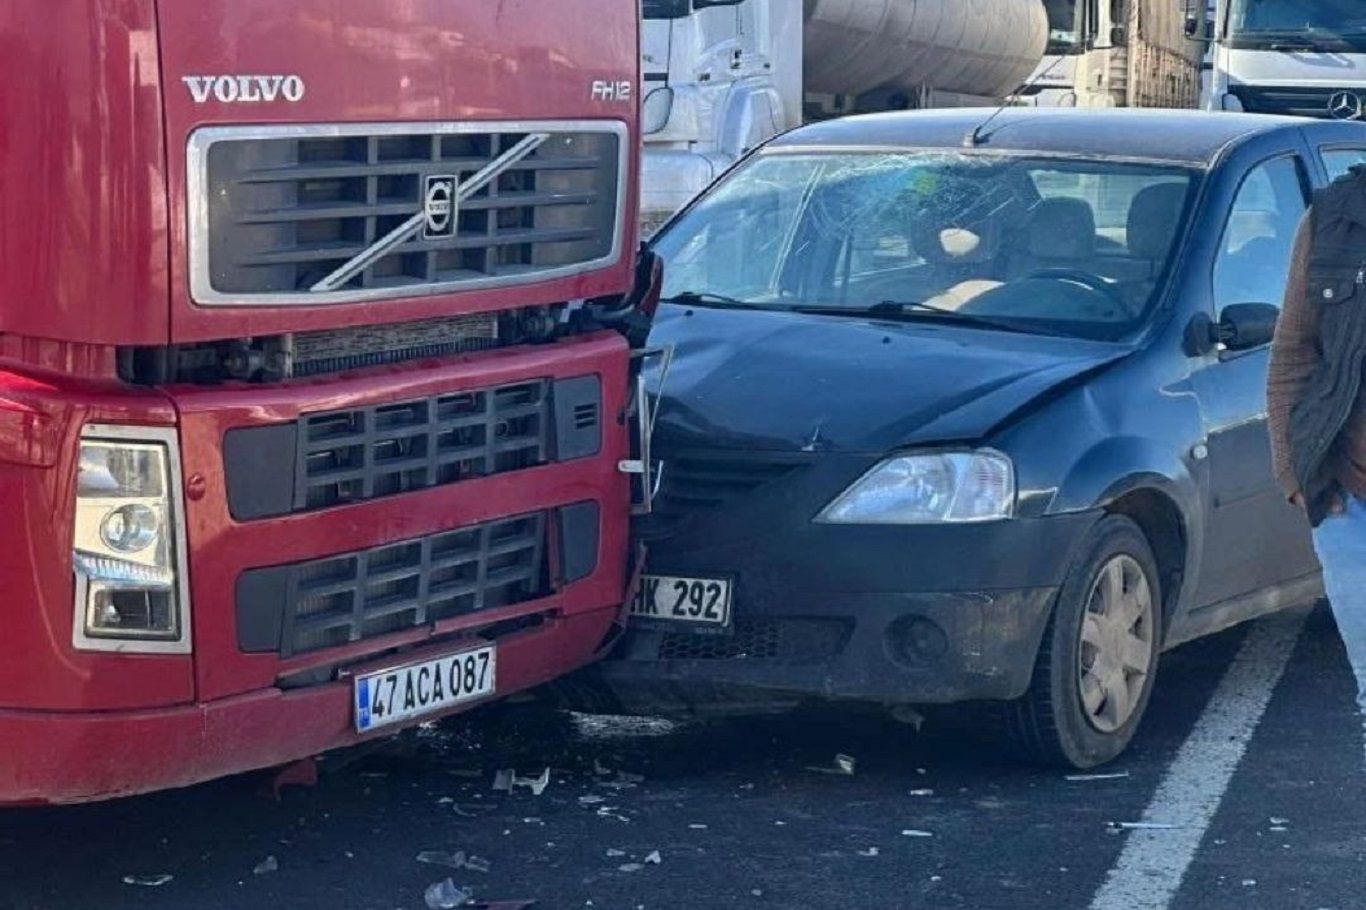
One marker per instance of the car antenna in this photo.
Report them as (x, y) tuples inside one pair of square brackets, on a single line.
[(976, 137)]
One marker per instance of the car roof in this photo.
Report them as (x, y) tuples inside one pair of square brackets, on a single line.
[(1153, 134)]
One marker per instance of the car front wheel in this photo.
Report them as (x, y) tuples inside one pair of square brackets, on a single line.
[(1098, 659)]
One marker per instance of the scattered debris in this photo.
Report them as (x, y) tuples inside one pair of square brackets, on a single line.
[(654, 859), (1280, 821), (446, 801), (506, 778), (609, 812), (442, 858), (614, 853), (298, 774), (905, 714), (1142, 826), (471, 810), (592, 800), (600, 769), (871, 851), (922, 793), (1115, 775), (477, 864), (266, 866), (630, 867), (698, 827), (444, 895), (843, 766), (1249, 882), (148, 881), (915, 832)]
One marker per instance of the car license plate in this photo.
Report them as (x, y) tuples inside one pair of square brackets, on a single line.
[(700, 601), (400, 693)]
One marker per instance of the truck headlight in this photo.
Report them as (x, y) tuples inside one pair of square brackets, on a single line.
[(128, 543), (929, 489)]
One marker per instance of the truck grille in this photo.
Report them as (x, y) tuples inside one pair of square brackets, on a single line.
[(274, 210), (1293, 100), (363, 453), (356, 454), (327, 602)]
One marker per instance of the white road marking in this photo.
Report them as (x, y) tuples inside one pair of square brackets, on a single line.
[(1150, 868)]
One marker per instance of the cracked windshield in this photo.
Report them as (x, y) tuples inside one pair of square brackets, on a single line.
[(1056, 246)]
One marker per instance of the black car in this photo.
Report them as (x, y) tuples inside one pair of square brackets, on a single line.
[(968, 410)]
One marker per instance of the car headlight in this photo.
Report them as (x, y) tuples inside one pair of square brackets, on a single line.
[(929, 489), (128, 549)]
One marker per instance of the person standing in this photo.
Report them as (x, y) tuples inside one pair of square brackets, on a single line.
[(1316, 399)]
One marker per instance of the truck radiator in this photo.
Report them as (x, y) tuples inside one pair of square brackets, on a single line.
[(277, 210)]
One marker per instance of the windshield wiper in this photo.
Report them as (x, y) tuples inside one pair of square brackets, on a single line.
[(706, 298), (912, 307), (1295, 47)]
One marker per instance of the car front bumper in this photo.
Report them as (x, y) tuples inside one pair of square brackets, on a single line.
[(894, 615)]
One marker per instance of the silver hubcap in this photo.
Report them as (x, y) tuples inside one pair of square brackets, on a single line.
[(1116, 644)]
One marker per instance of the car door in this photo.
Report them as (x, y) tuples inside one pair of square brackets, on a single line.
[(1253, 537)]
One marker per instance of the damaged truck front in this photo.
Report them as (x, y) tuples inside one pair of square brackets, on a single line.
[(315, 347)]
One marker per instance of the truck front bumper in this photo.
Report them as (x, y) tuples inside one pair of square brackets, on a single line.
[(70, 757)]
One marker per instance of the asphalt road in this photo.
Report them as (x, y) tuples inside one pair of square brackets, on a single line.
[(1248, 776)]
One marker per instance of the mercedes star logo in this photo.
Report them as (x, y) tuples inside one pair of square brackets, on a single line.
[(1345, 106)]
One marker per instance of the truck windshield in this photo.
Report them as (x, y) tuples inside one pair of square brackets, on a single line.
[(1062, 246), (1064, 32), (1307, 19)]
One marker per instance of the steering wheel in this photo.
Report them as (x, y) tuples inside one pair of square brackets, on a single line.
[(1088, 280)]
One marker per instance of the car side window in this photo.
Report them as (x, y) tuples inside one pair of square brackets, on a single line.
[(1339, 161), (1254, 252)]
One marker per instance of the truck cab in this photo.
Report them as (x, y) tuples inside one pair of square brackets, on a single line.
[(1305, 58), (314, 370)]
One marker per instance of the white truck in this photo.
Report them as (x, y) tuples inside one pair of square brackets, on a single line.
[(1298, 57), (1117, 53), (722, 76)]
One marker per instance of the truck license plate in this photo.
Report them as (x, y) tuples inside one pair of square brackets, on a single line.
[(699, 601), (401, 693)]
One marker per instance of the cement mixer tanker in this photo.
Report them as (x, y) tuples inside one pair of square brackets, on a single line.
[(721, 76)]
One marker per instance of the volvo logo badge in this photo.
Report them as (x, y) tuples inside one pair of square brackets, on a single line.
[(1345, 106), (439, 208)]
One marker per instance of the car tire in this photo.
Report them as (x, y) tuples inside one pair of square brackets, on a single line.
[(1098, 658)]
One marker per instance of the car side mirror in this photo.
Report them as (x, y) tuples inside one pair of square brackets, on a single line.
[(1244, 326), (1241, 327)]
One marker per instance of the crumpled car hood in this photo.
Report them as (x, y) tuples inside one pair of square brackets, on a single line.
[(772, 381)]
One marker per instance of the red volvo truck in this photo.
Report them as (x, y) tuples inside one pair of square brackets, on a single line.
[(318, 320)]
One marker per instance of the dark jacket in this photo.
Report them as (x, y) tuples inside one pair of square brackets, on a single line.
[(1336, 288)]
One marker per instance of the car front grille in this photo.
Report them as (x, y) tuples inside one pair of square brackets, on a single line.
[(1299, 101), (352, 455), (275, 210), (697, 483), (323, 603), (797, 641)]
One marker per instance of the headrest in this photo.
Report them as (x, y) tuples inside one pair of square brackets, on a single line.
[(1062, 228), (1153, 216)]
